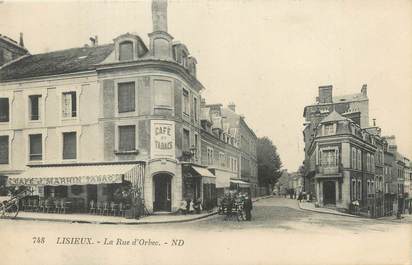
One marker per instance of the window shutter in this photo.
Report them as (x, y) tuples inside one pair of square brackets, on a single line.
[(4, 109), (36, 147), (127, 138), (69, 145), (4, 149), (126, 97)]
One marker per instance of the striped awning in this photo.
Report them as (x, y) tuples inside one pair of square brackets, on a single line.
[(67, 175)]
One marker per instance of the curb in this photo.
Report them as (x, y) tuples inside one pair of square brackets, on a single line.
[(113, 223), (126, 223), (339, 214)]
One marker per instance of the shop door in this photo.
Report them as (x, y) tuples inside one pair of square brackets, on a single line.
[(163, 191), (329, 192), (91, 193)]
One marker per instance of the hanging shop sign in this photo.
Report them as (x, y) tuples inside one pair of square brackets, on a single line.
[(162, 139)]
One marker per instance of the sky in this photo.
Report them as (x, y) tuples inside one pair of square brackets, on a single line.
[(268, 57)]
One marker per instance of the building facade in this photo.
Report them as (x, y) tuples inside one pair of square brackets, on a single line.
[(347, 162), (99, 116)]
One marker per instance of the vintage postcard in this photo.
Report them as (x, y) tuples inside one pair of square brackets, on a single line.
[(205, 132)]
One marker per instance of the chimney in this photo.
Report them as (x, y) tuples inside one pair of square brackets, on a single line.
[(325, 94), (160, 40), (232, 106), (364, 90), (94, 41), (374, 122), (159, 15), (21, 41)]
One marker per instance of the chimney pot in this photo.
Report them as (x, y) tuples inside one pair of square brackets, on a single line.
[(232, 106), (21, 41), (364, 90)]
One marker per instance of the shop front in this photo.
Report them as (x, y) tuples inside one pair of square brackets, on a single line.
[(199, 184), (103, 188)]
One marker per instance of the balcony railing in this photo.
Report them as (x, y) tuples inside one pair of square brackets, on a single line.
[(327, 170)]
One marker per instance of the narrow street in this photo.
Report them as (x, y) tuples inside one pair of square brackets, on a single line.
[(280, 229)]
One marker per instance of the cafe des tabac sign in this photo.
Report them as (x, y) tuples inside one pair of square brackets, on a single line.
[(162, 139)]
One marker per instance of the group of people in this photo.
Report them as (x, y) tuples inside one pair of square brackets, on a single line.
[(190, 206), (238, 201)]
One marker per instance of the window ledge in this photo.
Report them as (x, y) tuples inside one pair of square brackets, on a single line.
[(131, 152)]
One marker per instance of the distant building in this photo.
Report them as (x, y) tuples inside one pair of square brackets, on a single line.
[(346, 159)]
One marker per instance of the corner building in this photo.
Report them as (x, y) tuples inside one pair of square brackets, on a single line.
[(77, 122)]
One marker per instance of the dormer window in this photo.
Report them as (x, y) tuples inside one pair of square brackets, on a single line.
[(126, 51), (329, 129)]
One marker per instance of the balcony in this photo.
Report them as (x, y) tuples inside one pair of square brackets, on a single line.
[(328, 170)]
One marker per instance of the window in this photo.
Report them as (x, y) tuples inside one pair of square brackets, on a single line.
[(209, 156), (196, 145), (354, 189), (126, 51), (354, 165), (186, 140), (126, 97), (34, 107), (127, 138), (359, 190), (373, 163), (195, 108), (163, 93), (4, 149), (4, 109), (329, 129), (69, 145), (35, 147), (222, 159), (359, 159), (186, 102), (329, 158), (69, 105)]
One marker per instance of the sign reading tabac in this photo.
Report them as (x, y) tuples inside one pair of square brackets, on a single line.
[(162, 139)]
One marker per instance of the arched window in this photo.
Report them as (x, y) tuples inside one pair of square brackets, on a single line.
[(126, 51)]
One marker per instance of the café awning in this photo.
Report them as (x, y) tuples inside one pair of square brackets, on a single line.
[(67, 175), (203, 172), (240, 183)]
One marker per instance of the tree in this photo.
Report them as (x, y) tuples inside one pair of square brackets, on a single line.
[(269, 162)]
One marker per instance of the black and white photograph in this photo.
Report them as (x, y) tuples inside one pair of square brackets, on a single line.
[(206, 132)]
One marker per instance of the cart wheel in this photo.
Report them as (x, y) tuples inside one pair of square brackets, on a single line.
[(11, 211)]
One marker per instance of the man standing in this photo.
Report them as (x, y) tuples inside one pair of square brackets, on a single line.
[(248, 207)]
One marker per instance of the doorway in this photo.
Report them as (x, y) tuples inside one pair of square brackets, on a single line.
[(163, 192), (91, 191), (329, 192)]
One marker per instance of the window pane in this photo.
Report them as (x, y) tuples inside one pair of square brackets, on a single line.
[(127, 135), (185, 101), (69, 104), (126, 97), (4, 109), (186, 140), (69, 145), (35, 147), (126, 51), (4, 149), (34, 107), (163, 93)]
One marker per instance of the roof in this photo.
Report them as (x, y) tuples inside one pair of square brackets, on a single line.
[(334, 116), (349, 98), (56, 62)]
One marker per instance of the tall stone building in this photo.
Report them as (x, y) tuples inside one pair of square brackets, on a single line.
[(80, 123), (344, 156)]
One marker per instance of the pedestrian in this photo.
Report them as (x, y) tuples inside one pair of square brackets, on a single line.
[(300, 196), (247, 206)]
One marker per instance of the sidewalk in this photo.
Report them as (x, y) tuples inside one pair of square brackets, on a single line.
[(308, 206), (102, 219)]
